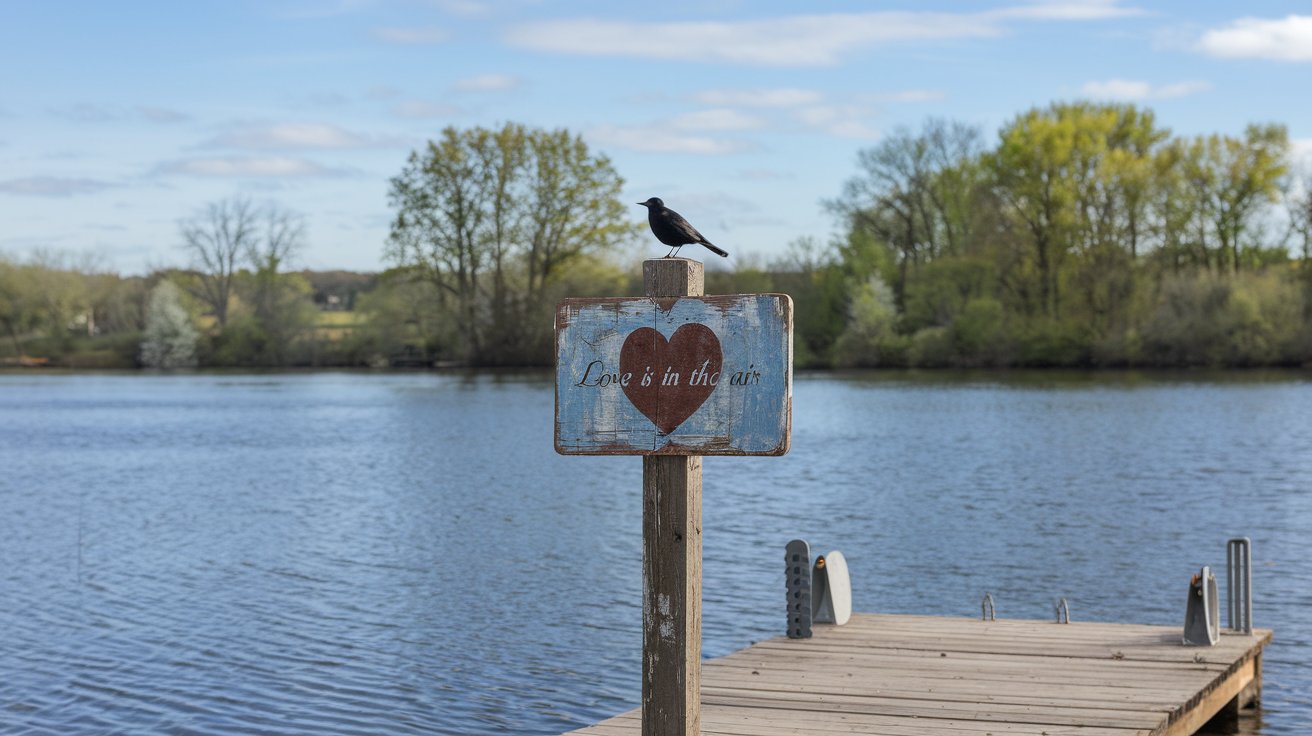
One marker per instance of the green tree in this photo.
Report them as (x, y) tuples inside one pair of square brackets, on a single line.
[(814, 277), (980, 334), (912, 195), (1233, 181), (1250, 174), (1075, 176), (1218, 319), (1176, 210), (1298, 206), (15, 314), (1030, 166), (490, 217), (870, 338), (169, 340)]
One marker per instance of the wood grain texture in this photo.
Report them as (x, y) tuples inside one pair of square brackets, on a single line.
[(672, 594), (673, 277), (671, 560), (674, 374), (920, 675)]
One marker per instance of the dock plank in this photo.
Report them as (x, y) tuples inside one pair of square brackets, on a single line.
[(915, 675)]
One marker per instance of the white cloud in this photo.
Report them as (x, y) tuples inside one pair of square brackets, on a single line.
[(487, 83), (1118, 89), (1181, 89), (797, 40), (783, 97), (840, 121), (1070, 10), (52, 186), (267, 167), (662, 138), (1131, 90), (293, 135), (1286, 39), (800, 40), (419, 110), (408, 35), (463, 8), (716, 119), (909, 95)]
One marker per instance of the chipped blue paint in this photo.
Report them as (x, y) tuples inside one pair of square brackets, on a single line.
[(749, 412)]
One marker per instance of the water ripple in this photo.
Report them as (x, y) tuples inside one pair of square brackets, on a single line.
[(379, 554)]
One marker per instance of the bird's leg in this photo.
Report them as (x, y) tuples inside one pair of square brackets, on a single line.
[(671, 253)]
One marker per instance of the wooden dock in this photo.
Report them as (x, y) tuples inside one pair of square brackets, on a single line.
[(916, 675)]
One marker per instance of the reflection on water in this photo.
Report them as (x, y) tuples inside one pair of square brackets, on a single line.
[(391, 554)]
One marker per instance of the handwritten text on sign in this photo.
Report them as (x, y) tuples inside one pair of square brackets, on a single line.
[(705, 375)]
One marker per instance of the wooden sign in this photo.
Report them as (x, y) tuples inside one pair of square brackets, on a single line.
[(708, 375)]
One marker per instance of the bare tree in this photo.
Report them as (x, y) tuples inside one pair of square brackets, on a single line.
[(282, 235), (274, 297), (1298, 204), (217, 237)]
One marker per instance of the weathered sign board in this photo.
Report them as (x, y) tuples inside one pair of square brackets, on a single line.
[(706, 375)]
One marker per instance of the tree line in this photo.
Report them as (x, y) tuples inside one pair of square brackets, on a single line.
[(1082, 235), (1085, 235)]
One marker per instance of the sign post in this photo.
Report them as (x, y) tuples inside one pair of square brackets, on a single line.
[(673, 376)]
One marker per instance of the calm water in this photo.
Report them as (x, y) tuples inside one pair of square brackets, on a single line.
[(394, 554)]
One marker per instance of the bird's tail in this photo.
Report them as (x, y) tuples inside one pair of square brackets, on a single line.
[(716, 249)]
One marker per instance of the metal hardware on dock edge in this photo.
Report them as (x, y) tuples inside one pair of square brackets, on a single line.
[(819, 593), (1239, 583), (797, 571), (1202, 625)]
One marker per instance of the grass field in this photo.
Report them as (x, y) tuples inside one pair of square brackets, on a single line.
[(337, 325)]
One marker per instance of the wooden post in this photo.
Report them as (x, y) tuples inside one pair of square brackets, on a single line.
[(672, 557)]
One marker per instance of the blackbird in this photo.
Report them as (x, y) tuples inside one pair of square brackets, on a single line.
[(671, 229)]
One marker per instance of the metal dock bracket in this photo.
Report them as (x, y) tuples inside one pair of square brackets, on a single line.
[(1239, 583), (816, 594), (1063, 611), (797, 572), (1202, 626), (831, 590)]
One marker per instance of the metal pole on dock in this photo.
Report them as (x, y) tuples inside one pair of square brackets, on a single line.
[(671, 557)]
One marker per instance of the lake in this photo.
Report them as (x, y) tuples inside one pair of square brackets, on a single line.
[(359, 553)]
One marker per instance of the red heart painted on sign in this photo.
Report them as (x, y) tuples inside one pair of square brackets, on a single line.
[(683, 370)]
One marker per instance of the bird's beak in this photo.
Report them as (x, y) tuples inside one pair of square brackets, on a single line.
[(644, 204)]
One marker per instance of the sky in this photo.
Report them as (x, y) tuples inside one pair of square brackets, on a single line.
[(119, 120)]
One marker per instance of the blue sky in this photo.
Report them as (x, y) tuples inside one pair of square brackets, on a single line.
[(119, 119)]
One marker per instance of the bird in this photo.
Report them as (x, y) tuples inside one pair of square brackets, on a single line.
[(671, 229)]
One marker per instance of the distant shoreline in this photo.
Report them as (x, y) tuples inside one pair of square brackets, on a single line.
[(929, 375)]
